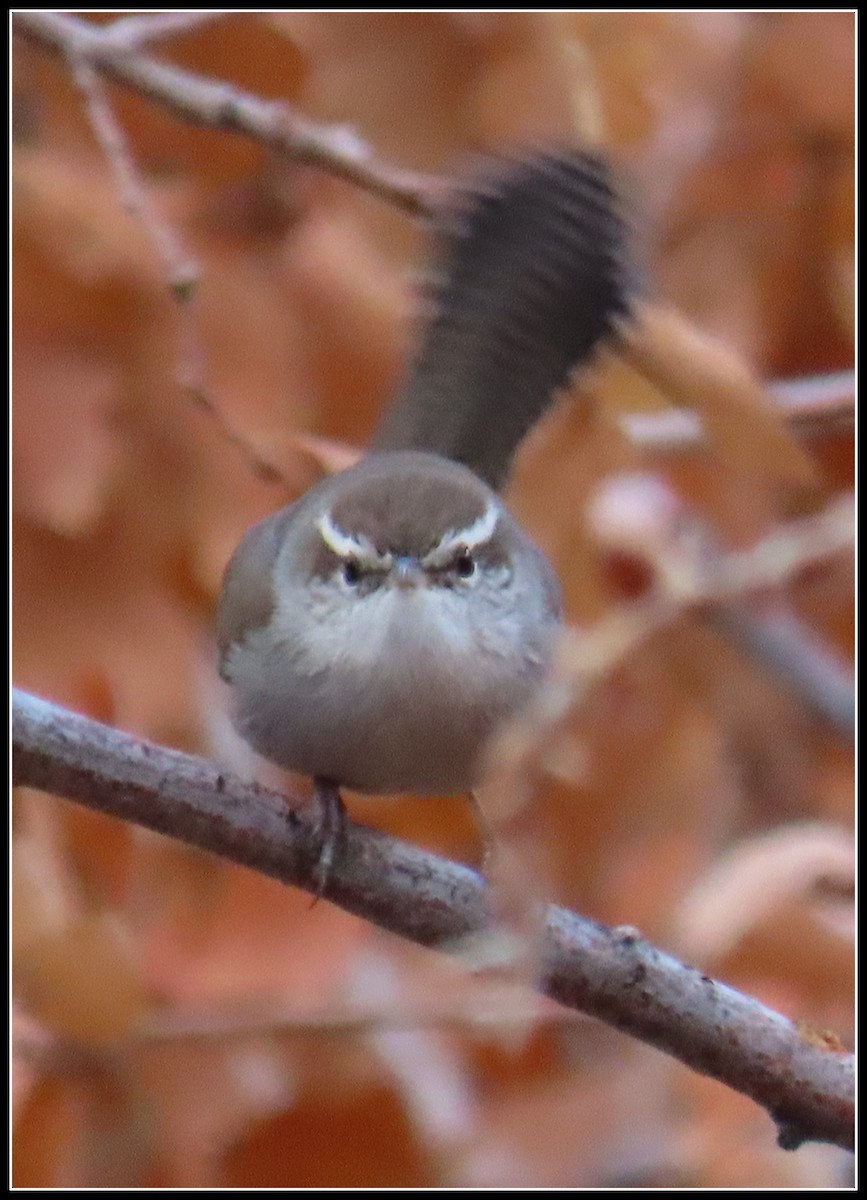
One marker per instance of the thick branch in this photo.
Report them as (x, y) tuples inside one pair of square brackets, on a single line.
[(218, 105), (805, 1080)]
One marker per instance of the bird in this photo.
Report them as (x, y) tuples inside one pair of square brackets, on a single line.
[(379, 630)]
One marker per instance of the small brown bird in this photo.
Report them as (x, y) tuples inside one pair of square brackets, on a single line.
[(377, 631)]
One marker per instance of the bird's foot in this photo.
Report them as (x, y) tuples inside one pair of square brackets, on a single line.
[(331, 827)]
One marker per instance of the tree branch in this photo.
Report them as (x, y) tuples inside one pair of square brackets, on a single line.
[(218, 105), (797, 656), (136, 31), (803, 1078), (183, 273), (640, 515), (116, 51), (817, 406)]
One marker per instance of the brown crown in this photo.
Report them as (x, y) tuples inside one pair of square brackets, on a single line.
[(404, 503)]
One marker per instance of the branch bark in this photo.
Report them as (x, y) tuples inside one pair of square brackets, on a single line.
[(804, 1079), (201, 101)]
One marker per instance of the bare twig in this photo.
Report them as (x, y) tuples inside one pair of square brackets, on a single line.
[(698, 373), (796, 656), (132, 33), (818, 405), (218, 105), (804, 1079), (191, 378), (787, 551), (778, 641), (114, 51), (815, 407), (183, 272), (684, 581)]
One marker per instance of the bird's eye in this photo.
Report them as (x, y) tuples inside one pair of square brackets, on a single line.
[(465, 564), (351, 572)]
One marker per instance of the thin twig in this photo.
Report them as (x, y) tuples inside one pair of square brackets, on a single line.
[(781, 643), (684, 581), (796, 656), (114, 51), (132, 33), (787, 551), (804, 1079), (182, 271), (191, 378), (817, 406), (218, 105), (699, 373)]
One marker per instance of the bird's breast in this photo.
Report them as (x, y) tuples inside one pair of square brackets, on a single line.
[(396, 692)]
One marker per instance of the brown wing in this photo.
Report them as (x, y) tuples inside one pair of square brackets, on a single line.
[(535, 274)]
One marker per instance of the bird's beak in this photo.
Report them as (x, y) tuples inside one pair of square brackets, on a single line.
[(407, 572)]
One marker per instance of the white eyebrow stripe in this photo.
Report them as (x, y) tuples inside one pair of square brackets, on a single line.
[(344, 545), (476, 534)]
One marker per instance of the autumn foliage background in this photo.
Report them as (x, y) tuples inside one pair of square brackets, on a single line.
[(178, 1021)]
